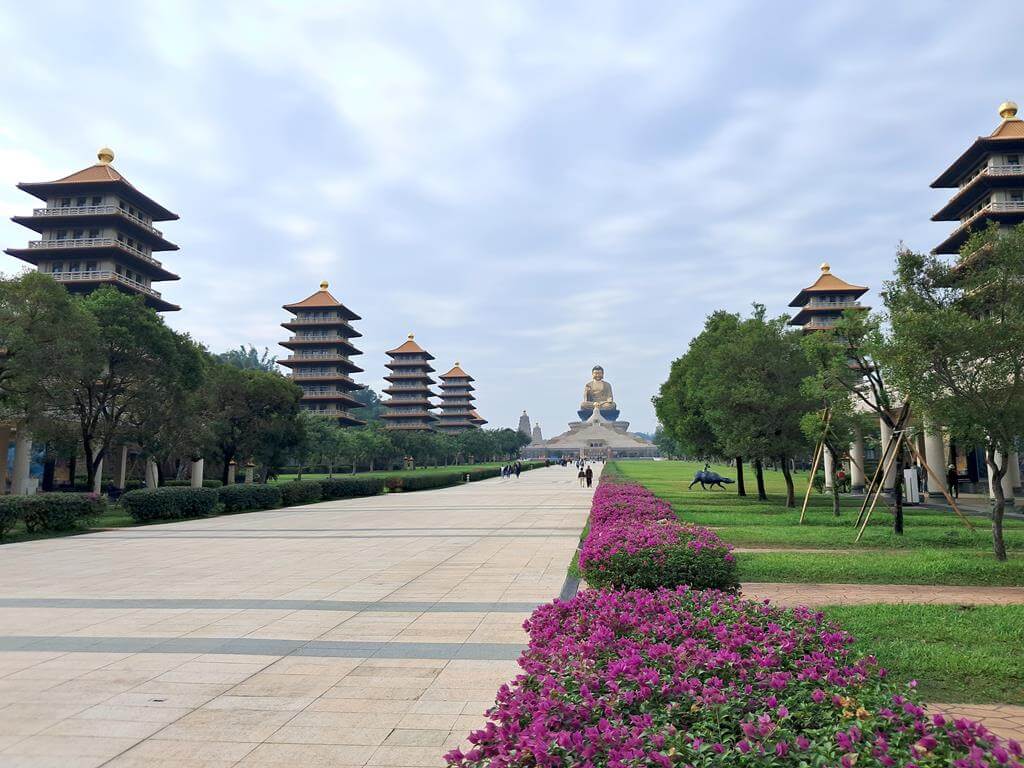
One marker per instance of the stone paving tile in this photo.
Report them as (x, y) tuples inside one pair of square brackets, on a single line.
[(1005, 720), (862, 594)]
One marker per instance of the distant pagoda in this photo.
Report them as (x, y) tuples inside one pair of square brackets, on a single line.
[(823, 303), (409, 406), (456, 401), (97, 229), (320, 356), (989, 182)]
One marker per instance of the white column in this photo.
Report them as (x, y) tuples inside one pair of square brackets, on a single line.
[(829, 468), (97, 481), (857, 463), (197, 473), (1015, 474), (935, 455), (121, 468), (889, 481), (1007, 481), (152, 475), (22, 462), (5, 446), (232, 467)]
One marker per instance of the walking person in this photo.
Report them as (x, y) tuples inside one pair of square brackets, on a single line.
[(582, 476), (519, 468), (589, 474), (953, 480)]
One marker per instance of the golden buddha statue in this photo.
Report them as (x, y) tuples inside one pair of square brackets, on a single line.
[(597, 393)]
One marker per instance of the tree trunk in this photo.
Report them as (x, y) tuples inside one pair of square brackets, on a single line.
[(759, 474), (897, 492), (72, 468), (299, 476), (790, 491), (48, 469), (999, 505), (835, 485), (741, 488)]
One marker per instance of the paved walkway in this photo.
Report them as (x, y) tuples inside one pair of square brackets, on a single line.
[(359, 632), (791, 594)]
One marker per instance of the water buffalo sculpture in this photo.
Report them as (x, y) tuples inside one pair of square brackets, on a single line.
[(706, 477)]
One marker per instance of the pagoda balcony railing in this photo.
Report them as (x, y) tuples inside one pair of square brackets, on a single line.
[(103, 274), (1010, 169), (331, 412), (94, 242), (97, 210), (316, 356), (300, 374), (830, 304), (326, 394), (1000, 206), (332, 339), (319, 319)]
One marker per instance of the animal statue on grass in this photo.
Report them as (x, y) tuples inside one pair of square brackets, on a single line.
[(706, 477)]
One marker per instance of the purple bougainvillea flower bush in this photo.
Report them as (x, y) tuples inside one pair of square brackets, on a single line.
[(636, 541), (702, 678)]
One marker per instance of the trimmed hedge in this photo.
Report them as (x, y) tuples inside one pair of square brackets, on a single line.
[(350, 487), (169, 503), (247, 497), (188, 484), (301, 492), (51, 512)]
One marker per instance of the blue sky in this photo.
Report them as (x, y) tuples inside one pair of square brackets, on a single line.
[(531, 187)]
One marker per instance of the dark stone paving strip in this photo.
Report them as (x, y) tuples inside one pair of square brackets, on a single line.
[(264, 647), (432, 529), (270, 604)]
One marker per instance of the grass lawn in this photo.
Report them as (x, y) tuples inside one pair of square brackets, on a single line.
[(936, 548), (968, 655), (391, 472)]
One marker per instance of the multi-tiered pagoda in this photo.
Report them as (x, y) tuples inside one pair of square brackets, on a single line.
[(989, 182), (409, 406), (823, 303), (321, 349), (456, 401), (97, 229)]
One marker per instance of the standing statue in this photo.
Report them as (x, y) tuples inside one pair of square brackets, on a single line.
[(597, 395)]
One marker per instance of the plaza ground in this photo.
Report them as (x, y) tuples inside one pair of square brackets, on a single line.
[(364, 631)]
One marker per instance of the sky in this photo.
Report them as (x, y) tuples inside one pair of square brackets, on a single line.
[(531, 187)]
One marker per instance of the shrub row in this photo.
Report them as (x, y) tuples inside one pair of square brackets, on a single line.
[(701, 678), (249, 497), (50, 512), (415, 481), (637, 542), (170, 503)]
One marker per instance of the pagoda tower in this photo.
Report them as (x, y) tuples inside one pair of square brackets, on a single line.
[(320, 352), (823, 303), (476, 419), (456, 401), (97, 229), (989, 182), (409, 406)]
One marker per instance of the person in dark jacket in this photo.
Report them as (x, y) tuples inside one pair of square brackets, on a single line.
[(953, 480), (590, 476)]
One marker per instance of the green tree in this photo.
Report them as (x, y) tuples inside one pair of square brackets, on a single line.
[(248, 358), (372, 407), (253, 414), (957, 346)]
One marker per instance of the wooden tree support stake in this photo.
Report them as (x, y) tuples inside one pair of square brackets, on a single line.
[(810, 481), (941, 484), (896, 449)]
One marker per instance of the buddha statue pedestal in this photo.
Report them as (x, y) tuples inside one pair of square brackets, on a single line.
[(608, 414)]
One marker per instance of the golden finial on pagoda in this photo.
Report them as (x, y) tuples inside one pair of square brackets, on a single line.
[(457, 364), (323, 285), (825, 268), (105, 155), (1008, 110)]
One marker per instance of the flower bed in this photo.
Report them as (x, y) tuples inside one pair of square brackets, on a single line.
[(635, 541), (701, 678)]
